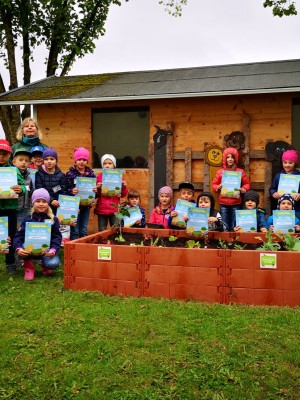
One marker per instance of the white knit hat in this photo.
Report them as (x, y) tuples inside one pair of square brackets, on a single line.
[(109, 157)]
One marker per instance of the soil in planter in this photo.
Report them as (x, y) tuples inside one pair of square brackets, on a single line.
[(138, 239)]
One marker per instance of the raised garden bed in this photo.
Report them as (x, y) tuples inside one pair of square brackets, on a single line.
[(208, 273)]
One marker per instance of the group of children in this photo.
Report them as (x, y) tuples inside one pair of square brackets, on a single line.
[(38, 200)]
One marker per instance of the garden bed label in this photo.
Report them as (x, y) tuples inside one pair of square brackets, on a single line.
[(104, 253), (268, 260)]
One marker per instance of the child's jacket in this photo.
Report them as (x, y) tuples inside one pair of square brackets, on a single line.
[(56, 237), (24, 202), (160, 216), (56, 183), (107, 205), (245, 182)]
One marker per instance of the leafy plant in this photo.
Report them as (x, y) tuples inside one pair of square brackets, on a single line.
[(290, 242), (239, 246), (120, 214), (172, 238), (191, 244), (269, 244)]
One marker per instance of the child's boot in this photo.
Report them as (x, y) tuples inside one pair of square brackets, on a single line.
[(29, 270), (46, 271)]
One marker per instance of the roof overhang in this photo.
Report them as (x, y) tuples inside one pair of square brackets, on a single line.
[(152, 97)]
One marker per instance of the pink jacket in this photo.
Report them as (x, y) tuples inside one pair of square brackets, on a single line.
[(103, 205), (245, 182), (159, 217)]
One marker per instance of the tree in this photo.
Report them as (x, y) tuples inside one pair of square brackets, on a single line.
[(280, 8), (68, 29)]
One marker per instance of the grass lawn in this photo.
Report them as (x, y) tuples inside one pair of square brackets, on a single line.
[(59, 344)]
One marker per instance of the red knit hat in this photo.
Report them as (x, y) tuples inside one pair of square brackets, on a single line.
[(5, 145)]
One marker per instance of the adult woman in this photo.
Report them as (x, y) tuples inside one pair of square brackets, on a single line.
[(28, 135)]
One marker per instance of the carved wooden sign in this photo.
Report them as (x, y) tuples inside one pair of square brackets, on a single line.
[(213, 156)]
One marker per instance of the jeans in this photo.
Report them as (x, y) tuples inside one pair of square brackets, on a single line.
[(103, 220), (228, 216), (51, 262), (80, 230)]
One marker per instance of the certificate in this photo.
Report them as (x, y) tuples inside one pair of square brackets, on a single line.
[(246, 220), (231, 183), (67, 212)]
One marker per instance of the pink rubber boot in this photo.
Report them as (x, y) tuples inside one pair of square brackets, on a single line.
[(46, 271), (29, 270)]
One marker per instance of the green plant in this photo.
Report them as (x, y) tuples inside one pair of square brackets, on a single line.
[(120, 214), (239, 246), (290, 242), (191, 244), (269, 244), (172, 238)]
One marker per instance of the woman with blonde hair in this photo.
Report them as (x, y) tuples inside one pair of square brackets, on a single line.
[(28, 135)]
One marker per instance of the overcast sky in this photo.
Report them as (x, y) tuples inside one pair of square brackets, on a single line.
[(140, 35)]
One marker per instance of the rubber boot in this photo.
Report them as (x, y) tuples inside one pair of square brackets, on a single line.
[(46, 271), (29, 270)]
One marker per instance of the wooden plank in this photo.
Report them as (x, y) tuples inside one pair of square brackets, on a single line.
[(188, 164)]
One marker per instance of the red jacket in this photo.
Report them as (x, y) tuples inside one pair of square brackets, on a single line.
[(245, 182), (158, 216), (103, 205)]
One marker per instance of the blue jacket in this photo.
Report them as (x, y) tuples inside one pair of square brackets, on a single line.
[(56, 238), (270, 221), (261, 219)]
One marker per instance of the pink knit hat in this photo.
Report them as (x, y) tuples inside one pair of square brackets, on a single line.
[(290, 155), (81, 152), (165, 190)]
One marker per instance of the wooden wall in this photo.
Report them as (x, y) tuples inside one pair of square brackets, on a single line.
[(196, 121)]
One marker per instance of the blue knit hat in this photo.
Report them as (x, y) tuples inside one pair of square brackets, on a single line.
[(50, 152), (288, 197)]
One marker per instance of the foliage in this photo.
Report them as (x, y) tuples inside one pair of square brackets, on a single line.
[(281, 7), (120, 214), (67, 28), (191, 244), (270, 244), (290, 242), (172, 238), (63, 344)]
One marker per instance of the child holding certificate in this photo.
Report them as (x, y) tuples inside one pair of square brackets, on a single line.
[(51, 178), (284, 181), (134, 207), (162, 213), (80, 169), (215, 222), (285, 202), (41, 212), (106, 205), (179, 215), (12, 178), (230, 200), (250, 202)]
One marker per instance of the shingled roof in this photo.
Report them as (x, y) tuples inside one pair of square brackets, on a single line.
[(250, 78)]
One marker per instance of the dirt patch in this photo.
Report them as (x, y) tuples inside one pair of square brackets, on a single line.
[(139, 239)]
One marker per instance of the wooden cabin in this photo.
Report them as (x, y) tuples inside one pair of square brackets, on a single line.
[(190, 111)]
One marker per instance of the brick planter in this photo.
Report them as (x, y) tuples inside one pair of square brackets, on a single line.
[(211, 275)]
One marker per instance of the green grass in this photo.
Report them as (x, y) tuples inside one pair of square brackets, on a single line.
[(59, 344)]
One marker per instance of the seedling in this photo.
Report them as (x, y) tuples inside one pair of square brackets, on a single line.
[(120, 214), (172, 238), (269, 244), (191, 244)]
